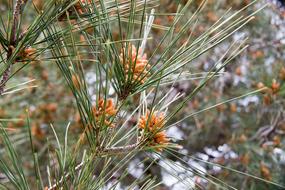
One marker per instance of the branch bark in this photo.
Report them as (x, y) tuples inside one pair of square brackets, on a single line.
[(16, 17), (13, 40)]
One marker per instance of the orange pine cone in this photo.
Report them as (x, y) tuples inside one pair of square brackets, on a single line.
[(275, 86), (155, 121), (265, 172), (135, 63), (107, 111), (282, 73), (152, 123), (161, 138)]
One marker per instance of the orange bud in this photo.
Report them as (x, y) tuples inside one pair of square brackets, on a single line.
[(135, 64), (267, 99), (275, 86), (233, 107), (238, 71), (265, 172), (44, 75), (37, 131), (52, 107), (221, 108), (29, 51), (2, 112), (245, 159), (107, 111), (260, 85), (152, 123), (170, 18), (212, 16), (257, 54), (242, 138), (276, 140), (77, 117), (282, 73)]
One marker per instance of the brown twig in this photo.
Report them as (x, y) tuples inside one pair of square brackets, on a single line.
[(16, 16), (263, 133), (13, 39)]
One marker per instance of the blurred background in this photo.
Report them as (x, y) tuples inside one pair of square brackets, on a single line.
[(246, 134)]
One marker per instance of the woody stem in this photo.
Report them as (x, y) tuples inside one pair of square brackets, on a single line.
[(16, 16), (13, 39)]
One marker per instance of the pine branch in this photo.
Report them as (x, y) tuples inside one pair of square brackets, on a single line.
[(120, 150), (13, 39), (16, 17), (112, 150), (5, 78)]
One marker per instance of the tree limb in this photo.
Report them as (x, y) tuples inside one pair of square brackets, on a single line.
[(13, 39)]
